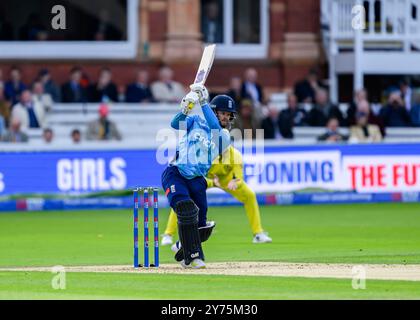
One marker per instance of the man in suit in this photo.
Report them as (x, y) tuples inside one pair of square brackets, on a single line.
[(323, 110), (104, 90), (14, 87), (50, 87), (250, 87), (414, 112), (139, 91), (270, 124), (394, 114), (406, 94), (72, 91), (292, 116), (305, 90)]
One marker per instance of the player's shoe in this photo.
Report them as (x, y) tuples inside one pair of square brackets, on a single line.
[(166, 240), (195, 264), (176, 246), (262, 237)]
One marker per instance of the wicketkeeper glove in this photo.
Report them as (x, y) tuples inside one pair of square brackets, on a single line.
[(188, 102), (202, 92)]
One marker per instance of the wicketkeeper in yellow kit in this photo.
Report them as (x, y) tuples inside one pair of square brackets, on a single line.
[(226, 173)]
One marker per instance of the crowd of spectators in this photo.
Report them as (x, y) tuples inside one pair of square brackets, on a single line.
[(25, 105), (79, 88), (308, 105)]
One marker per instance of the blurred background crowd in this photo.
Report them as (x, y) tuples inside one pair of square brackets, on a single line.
[(24, 105)]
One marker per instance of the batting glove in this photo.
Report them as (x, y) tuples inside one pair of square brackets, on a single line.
[(188, 102), (202, 92)]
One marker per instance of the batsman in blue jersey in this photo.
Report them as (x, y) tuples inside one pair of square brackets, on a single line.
[(184, 179)]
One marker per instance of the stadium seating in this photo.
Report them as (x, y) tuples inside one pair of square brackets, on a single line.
[(139, 123)]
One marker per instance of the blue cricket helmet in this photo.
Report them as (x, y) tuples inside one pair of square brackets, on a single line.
[(223, 102)]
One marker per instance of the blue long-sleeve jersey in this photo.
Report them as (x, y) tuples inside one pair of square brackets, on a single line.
[(204, 140)]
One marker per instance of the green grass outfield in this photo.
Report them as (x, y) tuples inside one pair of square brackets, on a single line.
[(373, 233)]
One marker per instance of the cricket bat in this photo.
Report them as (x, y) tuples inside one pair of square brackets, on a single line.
[(205, 66)]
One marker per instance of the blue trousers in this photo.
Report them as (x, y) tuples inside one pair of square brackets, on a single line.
[(178, 188)]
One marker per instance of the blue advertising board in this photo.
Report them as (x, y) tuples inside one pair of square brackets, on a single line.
[(374, 168)]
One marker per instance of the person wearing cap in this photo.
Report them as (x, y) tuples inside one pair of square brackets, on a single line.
[(184, 179), (103, 128)]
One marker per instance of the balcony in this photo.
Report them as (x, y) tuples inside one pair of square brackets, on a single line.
[(387, 43)]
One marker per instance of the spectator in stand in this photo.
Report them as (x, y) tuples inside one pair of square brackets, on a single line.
[(363, 105), (406, 94), (29, 112), (235, 90), (394, 114), (2, 126), (139, 91), (1, 78), (41, 97), (4, 106), (247, 120), (251, 89), (165, 89), (270, 124), (73, 91), (103, 128), (415, 109), (76, 136), (323, 110), (50, 87), (84, 82), (293, 116), (363, 131), (15, 134), (212, 22), (121, 93), (359, 95), (47, 135), (333, 133), (104, 90), (305, 90), (14, 87)]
